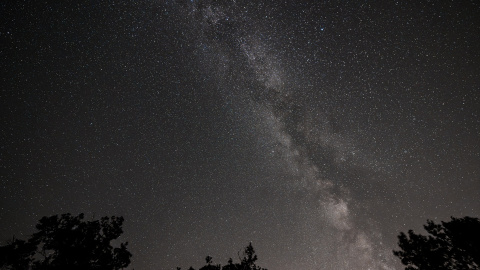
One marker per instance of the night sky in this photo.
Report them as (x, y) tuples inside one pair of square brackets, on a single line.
[(317, 130)]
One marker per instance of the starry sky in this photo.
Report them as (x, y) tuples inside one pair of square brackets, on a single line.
[(317, 130)]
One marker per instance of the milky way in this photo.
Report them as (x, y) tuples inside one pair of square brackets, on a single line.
[(316, 130), (292, 128)]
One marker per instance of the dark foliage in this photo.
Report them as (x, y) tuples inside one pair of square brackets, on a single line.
[(246, 263), (450, 245), (209, 265), (68, 242), (17, 255)]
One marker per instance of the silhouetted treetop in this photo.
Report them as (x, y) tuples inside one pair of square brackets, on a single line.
[(69, 242), (247, 262), (450, 245)]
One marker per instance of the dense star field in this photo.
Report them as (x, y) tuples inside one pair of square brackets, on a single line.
[(317, 130)]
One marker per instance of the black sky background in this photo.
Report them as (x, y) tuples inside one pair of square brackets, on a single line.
[(317, 130)]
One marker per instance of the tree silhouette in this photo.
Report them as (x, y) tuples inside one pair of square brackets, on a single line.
[(68, 242), (230, 265), (246, 263), (17, 255), (249, 258), (450, 245), (209, 265)]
